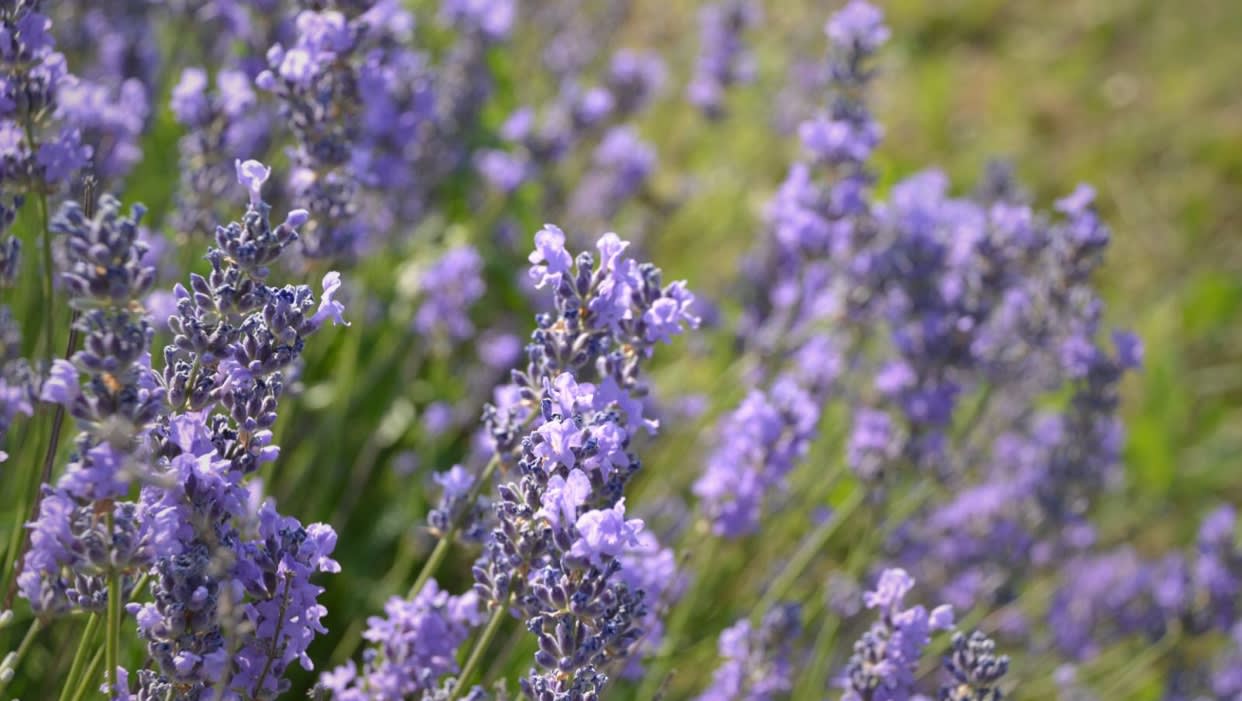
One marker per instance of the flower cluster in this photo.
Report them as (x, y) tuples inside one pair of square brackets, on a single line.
[(914, 383), (317, 82), (760, 442), (582, 118), (39, 150), (723, 57), (757, 662), (559, 550), (887, 656), (449, 287), (221, 126), (80, 536), (415, 645), (974, 668), (454, 506), (232, 603)]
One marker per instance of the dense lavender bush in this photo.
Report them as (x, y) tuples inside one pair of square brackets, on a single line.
[(898, 394)]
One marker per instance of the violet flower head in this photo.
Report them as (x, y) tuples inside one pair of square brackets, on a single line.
[(491, 18), (858, 24), (758, 664), (233, 602), (558, 551), (329, 306), (414, 646), (85, 532), (620, 167), (724, 59), (450, 287), (223, 126), (189, 99), (41, 143), (974, 669), (605, 534), (454, 509), (760, 443), (283, 607), (563, 498), (252, 174), (886, 658), (549, 257), (634, 78)]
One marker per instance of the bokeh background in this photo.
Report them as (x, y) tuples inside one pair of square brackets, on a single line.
[(1142, 98)]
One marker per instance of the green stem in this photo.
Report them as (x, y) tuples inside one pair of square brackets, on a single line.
[(806, 553), (8, 667), (816, 678), (16, 537), (1142, 663), (344, 650), (446, 539), (79, 657), (113, 639), (49, 302), (659, 667), (84, 684), (501, 659), (480, 647)]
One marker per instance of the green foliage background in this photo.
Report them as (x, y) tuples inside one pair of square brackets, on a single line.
[(1142, 98)]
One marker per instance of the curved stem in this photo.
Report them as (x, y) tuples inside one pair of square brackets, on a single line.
[(79, 657), (806, 553), (446, 539), (17, 538), (84, 684), (480, 647)]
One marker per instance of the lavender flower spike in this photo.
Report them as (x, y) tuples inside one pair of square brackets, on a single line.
[(887, 656)]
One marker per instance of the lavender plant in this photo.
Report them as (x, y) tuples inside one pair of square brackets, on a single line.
[(232, 605), (897, 393)]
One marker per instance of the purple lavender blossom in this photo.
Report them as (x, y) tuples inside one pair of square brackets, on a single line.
[(562, 534), (233, 603), (450, 287), (605, 534), (634, 78), (723, 58), (415, 645), (760, 442), (758, 665), (32, 77), (621, 165), (493, 18), (223, 126), (974, 669), (858, 24), (887, 656)]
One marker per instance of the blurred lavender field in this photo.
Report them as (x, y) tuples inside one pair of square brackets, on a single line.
[(912, 369)]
